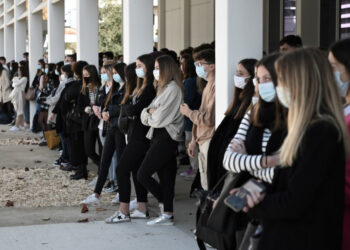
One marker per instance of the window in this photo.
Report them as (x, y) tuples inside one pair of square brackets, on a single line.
[(289, 18), (344, 19)]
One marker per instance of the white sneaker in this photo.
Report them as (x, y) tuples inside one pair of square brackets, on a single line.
[(118, 217), (161, 208), (91, 200), (162, 220), (14, 128), (93, 182), (133, 204), (136, 214), (116, 199)]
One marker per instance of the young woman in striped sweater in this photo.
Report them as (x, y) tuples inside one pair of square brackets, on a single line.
[(262, 129)]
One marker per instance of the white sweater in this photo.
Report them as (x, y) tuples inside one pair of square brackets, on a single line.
[(167, 114)]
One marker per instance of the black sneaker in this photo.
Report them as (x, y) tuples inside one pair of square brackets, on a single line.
[(43, 143), (58, 162)]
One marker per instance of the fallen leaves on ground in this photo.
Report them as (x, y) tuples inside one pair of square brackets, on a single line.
[(44, 187), (83, 220), (9, 203), (84, 209), (101, 209)]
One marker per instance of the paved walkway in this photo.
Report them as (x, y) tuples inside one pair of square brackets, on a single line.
[(94, 236), (57, 227)]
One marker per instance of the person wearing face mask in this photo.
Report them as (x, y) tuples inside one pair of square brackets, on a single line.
[(35, 84), (138, 144), (48, 82), (17, 95), (260, 134), (56, 115), (115, 140), (339, 57), (86, 100), (73, 131), (242, 95), (304, 209), (166, 130), (204, 118), (193, 98)]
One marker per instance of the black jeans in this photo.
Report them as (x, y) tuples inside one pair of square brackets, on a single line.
[(90, 138), (76, 150), (115, 142), (130, 162), (160, 158)]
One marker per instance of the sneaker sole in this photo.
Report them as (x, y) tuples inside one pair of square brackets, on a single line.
[(162, 224), (117, 222)]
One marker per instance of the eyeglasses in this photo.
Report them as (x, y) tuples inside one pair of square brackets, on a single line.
[(199, 64)]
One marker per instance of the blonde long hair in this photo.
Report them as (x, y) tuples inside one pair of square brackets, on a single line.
[(168, 71), (307, 74)]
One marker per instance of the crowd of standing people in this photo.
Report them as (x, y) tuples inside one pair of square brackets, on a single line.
[(287, 128)]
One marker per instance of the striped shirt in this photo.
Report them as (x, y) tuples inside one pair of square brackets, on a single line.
[(236, 162)]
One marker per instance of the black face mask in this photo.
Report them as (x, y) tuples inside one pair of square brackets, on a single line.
[(87, 80)]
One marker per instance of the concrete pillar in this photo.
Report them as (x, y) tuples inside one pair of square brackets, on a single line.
[(9, 30), (185, 20), (233, 43), (308, 21), (137, 32), (20, 33), (2, 42), (55, 27), (87, 31), (161, 24), (35, 37)]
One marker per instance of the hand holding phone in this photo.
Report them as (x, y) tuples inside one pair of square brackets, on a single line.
[(238, 200)]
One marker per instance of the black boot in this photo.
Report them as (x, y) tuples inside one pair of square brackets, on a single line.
[(81, 173)]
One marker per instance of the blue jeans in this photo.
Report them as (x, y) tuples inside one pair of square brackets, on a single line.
[(65, 152)]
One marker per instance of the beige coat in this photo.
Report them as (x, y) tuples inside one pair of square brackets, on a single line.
[(5, 88), (17, 94)]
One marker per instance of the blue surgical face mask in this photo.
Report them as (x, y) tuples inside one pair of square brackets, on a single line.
[(46, 71), (39, 66), (140, 73), (343, 86), (201, 72), (104, 77), (283, 96), (255, 100), (56, 72), (267, 91), (117, 78)]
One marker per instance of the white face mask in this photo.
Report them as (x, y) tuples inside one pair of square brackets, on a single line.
[(240, 81), (63, 77), (156, 74), (283, 96)]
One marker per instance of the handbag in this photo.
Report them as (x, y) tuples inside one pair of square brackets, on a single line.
[(251, 236), (74, 115), (218, 226), (52, 139), (30, 94), (123, 121)]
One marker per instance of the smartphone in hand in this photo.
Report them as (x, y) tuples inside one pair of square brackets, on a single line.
[(238, 200)]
